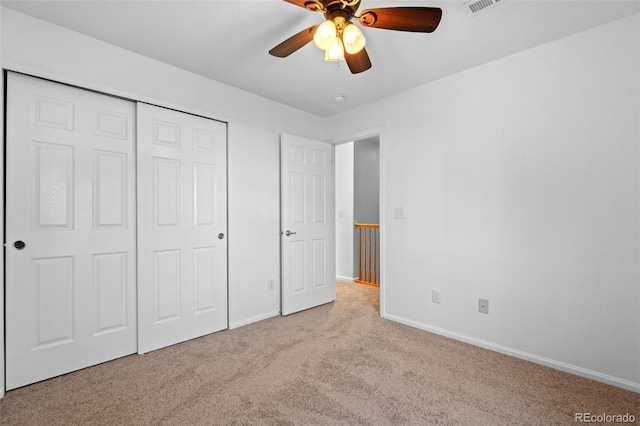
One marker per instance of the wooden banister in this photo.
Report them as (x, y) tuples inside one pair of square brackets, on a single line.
[(368, 254)]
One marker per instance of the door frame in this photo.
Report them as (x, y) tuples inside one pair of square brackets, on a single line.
[(7, 66), (355, 136)]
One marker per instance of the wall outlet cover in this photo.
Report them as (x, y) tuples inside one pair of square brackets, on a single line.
[(483, 306)]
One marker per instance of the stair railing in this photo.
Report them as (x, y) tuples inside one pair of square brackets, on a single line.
[(368, 253)]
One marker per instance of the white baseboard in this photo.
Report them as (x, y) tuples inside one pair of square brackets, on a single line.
[(547, 362), (248, 321), (339, 277)]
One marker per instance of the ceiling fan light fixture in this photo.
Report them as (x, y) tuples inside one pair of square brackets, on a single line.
[(326, 35), (340, 39), (335, 53), (353, 39)]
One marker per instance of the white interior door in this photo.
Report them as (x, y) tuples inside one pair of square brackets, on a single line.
[(182, 226), (308, 226), (70, 229)]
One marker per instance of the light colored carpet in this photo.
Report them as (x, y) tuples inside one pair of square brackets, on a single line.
[(338, 364)]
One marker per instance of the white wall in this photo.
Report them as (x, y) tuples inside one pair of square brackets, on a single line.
[(366, 180), (520, 182), (255, 125), (344, 205), (254, 224)]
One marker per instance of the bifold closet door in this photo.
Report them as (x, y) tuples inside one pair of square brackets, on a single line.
[(70, 229), (182, 226)]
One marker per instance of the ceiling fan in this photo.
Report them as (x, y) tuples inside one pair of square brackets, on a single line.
[(341, 39)]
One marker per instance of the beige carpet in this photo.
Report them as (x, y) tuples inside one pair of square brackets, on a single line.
[(333, 365)]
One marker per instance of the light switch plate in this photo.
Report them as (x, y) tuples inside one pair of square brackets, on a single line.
[(398, 212)]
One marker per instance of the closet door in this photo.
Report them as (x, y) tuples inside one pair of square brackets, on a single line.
[(70, 229), (182, 225)]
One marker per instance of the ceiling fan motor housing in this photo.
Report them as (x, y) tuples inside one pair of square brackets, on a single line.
[(328, 5), (333, 11)]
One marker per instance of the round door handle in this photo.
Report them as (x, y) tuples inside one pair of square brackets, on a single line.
[(220, 236), (288, 233), (19, 245)]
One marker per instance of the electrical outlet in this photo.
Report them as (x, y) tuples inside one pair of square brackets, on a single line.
[(271, 285), (483, 306), (435, 296)]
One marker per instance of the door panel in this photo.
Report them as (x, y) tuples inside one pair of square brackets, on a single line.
[(52, 303), (70, 291), (110, 189), (110, 287), (182, 221), (308, 252)]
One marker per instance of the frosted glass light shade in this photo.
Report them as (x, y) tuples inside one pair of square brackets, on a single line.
[(325, 35), (353, 39), (335, 53)]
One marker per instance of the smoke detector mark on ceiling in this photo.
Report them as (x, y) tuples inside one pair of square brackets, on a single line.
[(477, 6)]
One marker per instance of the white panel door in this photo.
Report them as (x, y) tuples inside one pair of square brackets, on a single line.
[(308, 227), (182, 226), (70, 228)]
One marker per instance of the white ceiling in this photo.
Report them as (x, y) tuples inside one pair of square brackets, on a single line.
[(228, 41)]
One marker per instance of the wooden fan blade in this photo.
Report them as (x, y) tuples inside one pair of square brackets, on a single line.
[(358, 62), (294, 43), (414, 19)]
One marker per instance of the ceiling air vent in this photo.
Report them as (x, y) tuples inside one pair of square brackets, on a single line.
[(477, 6)]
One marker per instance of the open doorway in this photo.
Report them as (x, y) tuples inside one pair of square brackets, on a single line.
[(358, 210)]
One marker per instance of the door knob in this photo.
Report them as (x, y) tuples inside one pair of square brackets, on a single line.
[(220, 236), (19, 245), (287, 233)]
